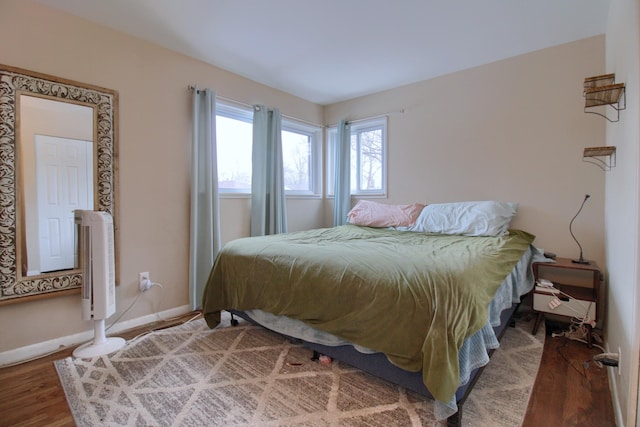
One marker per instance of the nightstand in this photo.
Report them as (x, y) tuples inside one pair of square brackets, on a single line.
[(575, 294)]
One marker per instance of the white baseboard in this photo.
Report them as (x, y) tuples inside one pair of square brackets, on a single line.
[(26, 353), (615, 397)]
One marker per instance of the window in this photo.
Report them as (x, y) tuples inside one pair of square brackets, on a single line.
[(301, 152), (368, 157)]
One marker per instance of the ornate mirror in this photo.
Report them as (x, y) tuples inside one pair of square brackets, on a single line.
[(58, 153)]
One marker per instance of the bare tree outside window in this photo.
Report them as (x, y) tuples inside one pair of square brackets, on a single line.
[(366, 160), (371, 160), (296, 154)]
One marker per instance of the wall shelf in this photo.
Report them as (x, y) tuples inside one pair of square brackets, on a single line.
[(602, 91), (603, 157)]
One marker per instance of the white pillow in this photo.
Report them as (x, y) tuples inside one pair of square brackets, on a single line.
[(484, 218)]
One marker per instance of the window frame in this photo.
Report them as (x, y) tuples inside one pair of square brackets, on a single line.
[(357, 128)]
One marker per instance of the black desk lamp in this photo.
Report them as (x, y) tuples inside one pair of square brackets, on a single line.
[(580, 260)]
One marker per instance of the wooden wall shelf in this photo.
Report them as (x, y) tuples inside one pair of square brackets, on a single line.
[(603, 157), (602, 91)]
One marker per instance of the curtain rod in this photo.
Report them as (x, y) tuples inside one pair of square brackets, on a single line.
[(364, 119), (244, 104)]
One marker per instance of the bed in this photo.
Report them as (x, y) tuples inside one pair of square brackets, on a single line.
[(419, 305)]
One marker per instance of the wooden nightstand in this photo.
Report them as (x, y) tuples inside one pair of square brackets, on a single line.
[(576, 289)]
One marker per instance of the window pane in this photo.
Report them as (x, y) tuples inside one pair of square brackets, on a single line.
[(296, 156), (355, 161), (234, 154), (370, 160)]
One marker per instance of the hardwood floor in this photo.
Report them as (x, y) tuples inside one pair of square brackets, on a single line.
[(31, 394), (570, 389)]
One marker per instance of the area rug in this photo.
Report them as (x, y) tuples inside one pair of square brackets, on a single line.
[(190, 375)]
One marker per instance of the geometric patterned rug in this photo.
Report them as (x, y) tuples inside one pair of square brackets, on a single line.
[(190, 375)]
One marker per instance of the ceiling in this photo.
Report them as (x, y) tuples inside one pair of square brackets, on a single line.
[(327, 51)]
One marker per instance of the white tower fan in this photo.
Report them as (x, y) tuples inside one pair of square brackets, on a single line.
[(98, 281)]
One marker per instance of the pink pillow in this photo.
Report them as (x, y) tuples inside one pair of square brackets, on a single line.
[(373, 214)]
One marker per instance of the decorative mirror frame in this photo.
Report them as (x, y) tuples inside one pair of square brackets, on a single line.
[(13, 82)]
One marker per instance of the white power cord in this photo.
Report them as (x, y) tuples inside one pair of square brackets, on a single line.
[(148, 284), (556, 302), (165, 320), (606, 359)]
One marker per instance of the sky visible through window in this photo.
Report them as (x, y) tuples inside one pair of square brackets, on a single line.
[(234, 153), (234, 140)]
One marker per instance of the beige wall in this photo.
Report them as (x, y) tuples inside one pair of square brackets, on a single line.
[(622, 211), (513, 130), (154, 162)]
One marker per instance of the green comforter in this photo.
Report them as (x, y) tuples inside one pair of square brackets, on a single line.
[(413, 296)]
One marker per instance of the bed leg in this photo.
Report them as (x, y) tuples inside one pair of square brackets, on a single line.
[(455, 420), (316, 356), (234, 321)]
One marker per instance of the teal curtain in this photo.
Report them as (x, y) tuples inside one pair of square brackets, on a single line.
[(268, 203), (205, 209), (342, 182)]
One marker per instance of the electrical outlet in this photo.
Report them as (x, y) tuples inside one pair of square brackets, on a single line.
[(619, 361), (144, 281)]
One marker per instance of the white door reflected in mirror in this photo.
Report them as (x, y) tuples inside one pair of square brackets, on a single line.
[(64, 174)]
